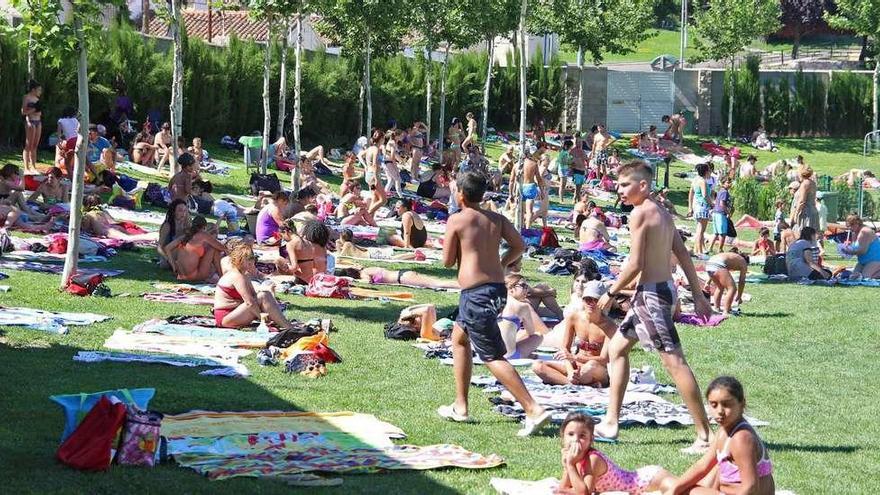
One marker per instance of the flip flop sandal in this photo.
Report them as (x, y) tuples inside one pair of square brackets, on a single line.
[(533, 425), (448, 412)]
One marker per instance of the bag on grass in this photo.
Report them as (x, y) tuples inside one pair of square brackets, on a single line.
[(140, 437), (775, 265), (427, 188), (549, 238), (731, 230), (76, 406), (84, 285), (264, 182), (90, 447), (326, 285), (397, 331)]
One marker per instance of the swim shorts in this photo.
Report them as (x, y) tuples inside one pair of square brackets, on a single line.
[(601, 157), (478, 310), (530, 191), (714, 264), (650, 319), (719, 223), (224, 210), (579, 177)]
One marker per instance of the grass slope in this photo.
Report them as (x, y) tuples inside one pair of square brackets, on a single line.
[(805, 355)]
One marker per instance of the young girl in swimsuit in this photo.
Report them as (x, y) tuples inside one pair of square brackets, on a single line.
[(587, 470), (373, 157), (391, 159), (236, 303), (32, 111), (99, 223), (737, 461), (195, 256)]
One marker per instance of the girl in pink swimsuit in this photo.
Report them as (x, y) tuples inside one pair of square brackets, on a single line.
[(737, 462), (586, 470)]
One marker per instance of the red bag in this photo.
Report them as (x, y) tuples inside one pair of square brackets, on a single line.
[(84, 285), (90, 447), (549, 238), (326, 285)]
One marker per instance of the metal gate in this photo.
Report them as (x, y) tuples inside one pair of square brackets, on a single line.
[(637, 100)]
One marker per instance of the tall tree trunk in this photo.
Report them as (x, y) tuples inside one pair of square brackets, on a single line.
[(730, 98), (297, 97), (486, 88), (429, 90), (796, 44), (523, 95), (361, 91), (76, 194), (368, 90), (876, 95), (267, 113), (176, 82), (145, 16), (31, 64), (282, 83), (441, 131), (580, 103)]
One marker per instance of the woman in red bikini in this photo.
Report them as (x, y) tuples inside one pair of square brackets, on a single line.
[(195, 256), (236, 303)]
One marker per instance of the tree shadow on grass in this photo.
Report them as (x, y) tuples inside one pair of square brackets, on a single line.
[(822, 449), (32, 373)]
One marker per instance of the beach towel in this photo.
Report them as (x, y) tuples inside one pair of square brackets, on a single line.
[(179, 298), (226, 336), (144, 169), (364, 293), (46, 321), (699, 321), (40, 267), (178, 346), (185, 288), (124, 357), (50, 257), (150, 217)]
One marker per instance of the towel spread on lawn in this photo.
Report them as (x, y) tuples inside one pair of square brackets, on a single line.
[(46, 321), (220, 367), (180, 298), (150, 217), (122, 340), (255, 444), (50, 257), (639, 406), (36, 266), (223, 336)]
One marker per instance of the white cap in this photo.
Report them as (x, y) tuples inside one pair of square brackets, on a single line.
[(594, 289)]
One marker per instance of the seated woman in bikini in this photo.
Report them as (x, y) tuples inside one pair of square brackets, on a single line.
[(413, 233), (521, 327), (195, 256), (541, 297), (592, 233), (589, 330), (236, 303), (303, 254), (99, 223), (271, 217), (52, 190), (12, 192), (378, 275), (352, 209)]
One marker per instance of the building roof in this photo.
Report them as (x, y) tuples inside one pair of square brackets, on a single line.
[(225, 23)]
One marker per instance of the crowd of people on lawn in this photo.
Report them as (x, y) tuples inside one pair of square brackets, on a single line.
[(398, 174)]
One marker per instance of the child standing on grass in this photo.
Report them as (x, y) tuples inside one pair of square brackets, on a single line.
[(587, 470), (737, 461), (721, 215), (473, 236), (779, 223)]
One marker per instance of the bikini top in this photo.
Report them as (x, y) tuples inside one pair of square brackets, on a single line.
[(587, 346), (728, 470), (231, 292)]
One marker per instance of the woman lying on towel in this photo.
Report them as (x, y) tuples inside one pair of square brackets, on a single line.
[(588, 330), (377, 275), (99, 223), (195, 256), (420, 318), (303, 254), (11, 192), (236, 303)]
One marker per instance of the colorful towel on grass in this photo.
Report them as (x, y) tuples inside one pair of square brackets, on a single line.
[(54, 268), (699, 321), (179, 287), (225, 336), (178, 346), (256, 444), (150, 217), (180, 298), (220, 367), (50, 257), (144, 169)]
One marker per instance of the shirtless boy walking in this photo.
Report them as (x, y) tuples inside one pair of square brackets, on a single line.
[(532, 183), (650, 320), (473, 236), (601, 141)]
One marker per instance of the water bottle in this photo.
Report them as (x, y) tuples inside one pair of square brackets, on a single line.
[(331, 263), (263, 329)]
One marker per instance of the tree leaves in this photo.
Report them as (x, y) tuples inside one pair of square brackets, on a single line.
[(726, 27)]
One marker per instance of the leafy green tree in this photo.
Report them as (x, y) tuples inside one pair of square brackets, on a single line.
[(725, 27), (596, 28), (863, 17), (57, 41)]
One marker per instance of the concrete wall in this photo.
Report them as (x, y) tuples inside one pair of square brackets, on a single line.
[(595, 87)]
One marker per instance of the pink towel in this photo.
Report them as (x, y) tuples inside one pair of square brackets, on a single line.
[(699, 321)]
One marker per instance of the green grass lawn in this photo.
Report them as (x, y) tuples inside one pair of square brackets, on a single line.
[(667, 42), (805, 354)]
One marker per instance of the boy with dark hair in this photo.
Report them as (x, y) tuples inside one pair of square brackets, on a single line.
[(180, 184), (649, 320), (473, 236)]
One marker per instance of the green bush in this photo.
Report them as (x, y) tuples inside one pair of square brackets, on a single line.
[(745, 194), (771, 191), (777, 107), (849, 104), (746, 94)]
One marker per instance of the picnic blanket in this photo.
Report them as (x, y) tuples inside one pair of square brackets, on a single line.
[(54, 268), (144, 169), (150, 217), (187, 288), (46, 321), (226, 336), (220, 367), (256, 444), (180, 298), (698, 321), (122, 340), (50, 257), (364, 293)]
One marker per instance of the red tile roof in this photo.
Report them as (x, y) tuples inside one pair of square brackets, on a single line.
[(225, 24)]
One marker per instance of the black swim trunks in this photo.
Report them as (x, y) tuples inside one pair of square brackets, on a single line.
[(650, 318), (478, 310)]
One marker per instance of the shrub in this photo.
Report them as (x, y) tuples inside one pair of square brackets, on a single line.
[(745, 192)]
